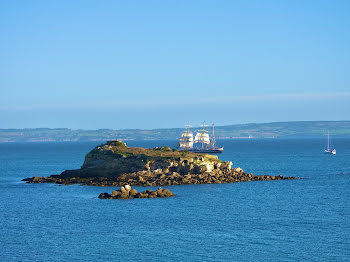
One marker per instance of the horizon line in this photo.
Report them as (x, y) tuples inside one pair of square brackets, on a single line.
[(251, 123)]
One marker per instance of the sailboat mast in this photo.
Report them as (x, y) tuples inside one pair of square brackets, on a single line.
[(188, 127), (203, 133), (213, 138), (328, 139)]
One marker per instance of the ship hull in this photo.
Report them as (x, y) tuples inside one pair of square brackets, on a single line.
[(212, 151), (330, 152)]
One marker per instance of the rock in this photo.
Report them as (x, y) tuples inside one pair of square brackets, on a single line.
[(167, 193), (123, 190), (104, 195), (36, 179), (138, 195), (116, 194), (202, 169), (133, 192), (124, 196), (159, 191)]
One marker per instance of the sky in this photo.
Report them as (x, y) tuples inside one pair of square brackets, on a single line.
[(159, 64)]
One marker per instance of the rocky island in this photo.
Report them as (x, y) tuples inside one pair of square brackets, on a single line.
[(116, 164), (126, 192)]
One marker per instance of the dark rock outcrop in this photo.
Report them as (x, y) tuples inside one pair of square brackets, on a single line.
[(126, 192)]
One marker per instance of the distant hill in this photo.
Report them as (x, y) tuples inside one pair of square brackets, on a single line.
[(310, 129)]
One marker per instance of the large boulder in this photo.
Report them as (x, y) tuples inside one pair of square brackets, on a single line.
[(127, 188), (167, 193)]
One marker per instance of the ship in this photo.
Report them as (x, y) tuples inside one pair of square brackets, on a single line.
[(329, 150), (200, 143)]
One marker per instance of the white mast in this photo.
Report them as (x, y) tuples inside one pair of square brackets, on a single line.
[(328, 140), (213, 138)]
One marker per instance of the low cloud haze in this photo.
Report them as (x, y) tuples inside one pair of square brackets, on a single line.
[(176, 113)]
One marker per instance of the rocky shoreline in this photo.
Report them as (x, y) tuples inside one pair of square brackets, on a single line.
[(126, 192), (154, 179), (115, 164)]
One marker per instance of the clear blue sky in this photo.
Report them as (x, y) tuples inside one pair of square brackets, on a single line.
[(151, 64)]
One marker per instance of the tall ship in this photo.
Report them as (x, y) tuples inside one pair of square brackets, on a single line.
[(329, 150), (200, 143)]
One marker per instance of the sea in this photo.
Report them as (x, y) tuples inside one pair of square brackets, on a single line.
[(287, 220)]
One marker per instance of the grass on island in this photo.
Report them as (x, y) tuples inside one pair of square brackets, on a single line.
[(118, 148)]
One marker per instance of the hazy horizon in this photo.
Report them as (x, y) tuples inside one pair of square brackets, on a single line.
[(208, 125)]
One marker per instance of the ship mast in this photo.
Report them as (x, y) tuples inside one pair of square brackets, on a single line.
[(204, 125), (213, 138), (328, 140)]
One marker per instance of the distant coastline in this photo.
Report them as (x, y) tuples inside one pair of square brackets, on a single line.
[(298, 129)]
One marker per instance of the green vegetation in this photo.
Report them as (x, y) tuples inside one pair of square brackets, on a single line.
[(266, 130), (163, 148), (120, 149)]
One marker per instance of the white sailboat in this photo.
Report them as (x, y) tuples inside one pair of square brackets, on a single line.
[(329, 150), (207, 145)]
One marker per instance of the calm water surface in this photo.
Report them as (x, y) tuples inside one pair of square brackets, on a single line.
[(297, 220)]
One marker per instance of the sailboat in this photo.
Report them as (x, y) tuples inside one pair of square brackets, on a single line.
[(328, 150), (206, 145)]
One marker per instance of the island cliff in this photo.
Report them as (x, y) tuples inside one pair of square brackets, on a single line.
[(115, 164)]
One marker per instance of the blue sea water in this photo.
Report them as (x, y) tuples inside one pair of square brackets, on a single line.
[(292, 220)]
